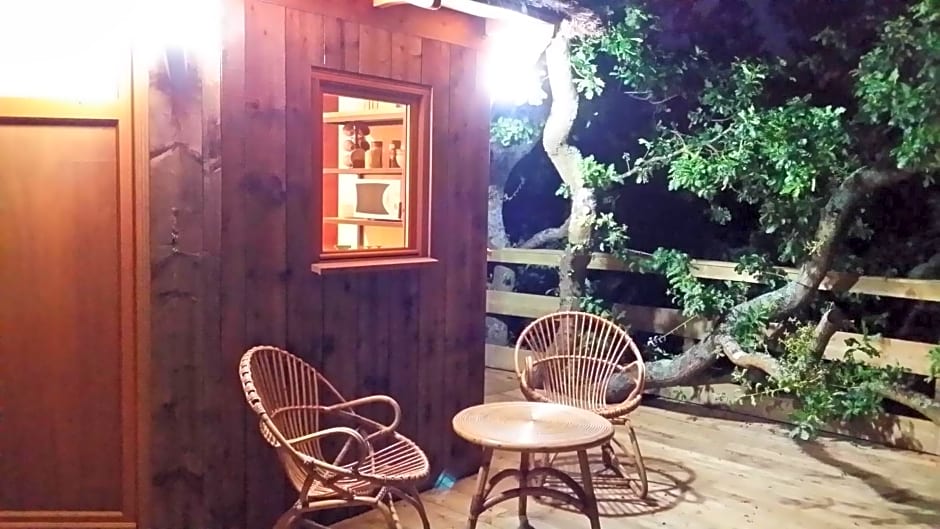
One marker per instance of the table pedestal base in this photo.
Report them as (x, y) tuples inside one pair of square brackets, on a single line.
[(583, 498)]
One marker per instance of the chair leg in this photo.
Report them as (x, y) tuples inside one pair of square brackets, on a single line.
[(391, 519), (640, 486), (607, 454), (396, 522), (289, 518), (410, 494)]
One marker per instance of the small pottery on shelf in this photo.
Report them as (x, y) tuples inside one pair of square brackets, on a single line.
[(395, 154), (374, 159), (355, 144)]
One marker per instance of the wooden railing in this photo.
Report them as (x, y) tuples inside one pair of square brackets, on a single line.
[(895, 430), (893, 287)]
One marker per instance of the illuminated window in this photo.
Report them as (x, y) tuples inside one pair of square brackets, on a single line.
[(373, 148)]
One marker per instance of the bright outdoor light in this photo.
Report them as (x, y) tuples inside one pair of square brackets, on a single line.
[(77, 50), (62, 49), (188, 26), (512, 75)]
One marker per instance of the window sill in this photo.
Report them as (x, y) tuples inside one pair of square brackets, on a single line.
[(370, 265)]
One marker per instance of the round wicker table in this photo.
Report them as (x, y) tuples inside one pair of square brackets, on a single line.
[(532, 427)]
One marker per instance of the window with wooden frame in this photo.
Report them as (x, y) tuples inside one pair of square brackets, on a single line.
[(371, 152)]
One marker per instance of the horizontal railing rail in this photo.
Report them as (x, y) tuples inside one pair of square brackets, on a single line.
[(893, 287), (909, 354), (905, 431)]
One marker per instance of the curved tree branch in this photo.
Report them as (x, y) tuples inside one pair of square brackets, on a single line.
[(831, 228), (925, 270), (683, 368), (923, 404), (546, 236), (781, 302), (834, 220), (920, 403), (566, 159), (503, 159), (830, 323), (564, 109)]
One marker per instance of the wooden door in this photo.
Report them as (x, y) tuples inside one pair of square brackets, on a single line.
[(70, 323)]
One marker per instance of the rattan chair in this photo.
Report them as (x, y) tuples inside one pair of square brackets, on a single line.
[(576, 358), (333, 455)]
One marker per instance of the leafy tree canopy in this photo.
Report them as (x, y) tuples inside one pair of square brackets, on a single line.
[(756, 129), (794, 146)]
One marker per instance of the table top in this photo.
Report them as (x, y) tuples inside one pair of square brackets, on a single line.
[(532, 427)]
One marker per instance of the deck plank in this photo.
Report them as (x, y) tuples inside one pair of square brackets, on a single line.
[(720, 472)]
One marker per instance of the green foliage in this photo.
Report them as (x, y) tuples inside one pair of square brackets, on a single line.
[(509, 131), (761, 268), (719, 214), (898, 83), (638, 62), (696, 297), (749, 324), (599, 176), (827, 391), (781, 159), (592, 303), (596, 305), (587, 81), (611, 236), (934, 356), (775, 141)]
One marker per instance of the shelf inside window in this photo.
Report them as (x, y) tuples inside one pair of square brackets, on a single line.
[(362, 170), (363, 222), (365, 116)]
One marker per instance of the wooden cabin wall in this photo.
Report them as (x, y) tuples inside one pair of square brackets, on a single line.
[(231, 203), (197, 420)]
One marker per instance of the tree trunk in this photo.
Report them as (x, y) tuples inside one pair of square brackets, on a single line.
[(687, 368), (566, 159), (504, 277), (503, 159), (572, 272), (783, 301)]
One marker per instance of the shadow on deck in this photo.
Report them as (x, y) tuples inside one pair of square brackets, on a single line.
[(712, 471)]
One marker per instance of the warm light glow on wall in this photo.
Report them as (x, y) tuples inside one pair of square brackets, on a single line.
[(79, 50), (512, 75), (62, 49), (188, 26)]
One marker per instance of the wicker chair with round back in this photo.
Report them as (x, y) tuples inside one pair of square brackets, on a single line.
[(586, 361), (332, 453)]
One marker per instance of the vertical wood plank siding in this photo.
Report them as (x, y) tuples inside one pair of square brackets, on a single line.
[(232, 251)]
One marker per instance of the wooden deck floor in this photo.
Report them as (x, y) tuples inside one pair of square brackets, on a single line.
[(721, 473)]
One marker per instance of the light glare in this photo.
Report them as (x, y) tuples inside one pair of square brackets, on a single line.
[(511, 72), (62, 49), (190, 26)]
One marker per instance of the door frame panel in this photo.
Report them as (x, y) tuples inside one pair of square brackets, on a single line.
[(128, 115)]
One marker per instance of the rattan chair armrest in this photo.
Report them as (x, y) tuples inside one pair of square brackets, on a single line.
[(373, 399), (641, 372), (525, 372), (629, 403), (365, 451)]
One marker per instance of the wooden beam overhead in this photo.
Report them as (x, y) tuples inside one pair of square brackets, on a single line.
[(426, 4), (470, 7)]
